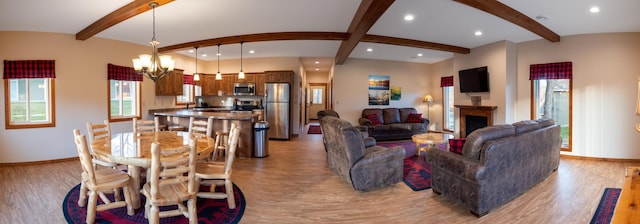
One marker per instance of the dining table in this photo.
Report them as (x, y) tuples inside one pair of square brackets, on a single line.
[(134, 150)]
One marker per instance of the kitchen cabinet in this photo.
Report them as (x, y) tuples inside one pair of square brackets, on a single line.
[(260, 81), (209, 85), (248, 77), (226, 84), (279, 76), (170, 84)]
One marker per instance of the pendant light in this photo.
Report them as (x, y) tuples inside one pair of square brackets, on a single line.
[(196, 76), (218, 75), (241, 74)]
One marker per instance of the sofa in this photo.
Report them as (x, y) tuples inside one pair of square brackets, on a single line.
[(364, 168), (393, 123), (368, 141), (497, 164)]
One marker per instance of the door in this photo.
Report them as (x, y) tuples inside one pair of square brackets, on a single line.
[(317, 100)]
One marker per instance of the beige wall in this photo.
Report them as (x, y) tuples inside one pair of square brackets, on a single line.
[(350, 85)]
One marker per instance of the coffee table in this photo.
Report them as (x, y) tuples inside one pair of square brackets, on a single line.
[(430, 139)]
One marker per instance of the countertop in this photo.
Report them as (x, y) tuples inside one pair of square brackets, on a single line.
[(207, 114)]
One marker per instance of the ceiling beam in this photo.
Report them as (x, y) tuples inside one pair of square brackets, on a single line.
[(256, 38), (125, 12), (414, 43), (368, 13), (507, 13)]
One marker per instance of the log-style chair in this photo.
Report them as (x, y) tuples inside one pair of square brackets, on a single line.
[(146, 125), (201, 126), (216, 173), (99, 182), (98, 132), (168, 185), (221, 145)]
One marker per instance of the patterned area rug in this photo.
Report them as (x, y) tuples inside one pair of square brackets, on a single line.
[(314, 129), (607, 205), (416, 172), (209, 210)]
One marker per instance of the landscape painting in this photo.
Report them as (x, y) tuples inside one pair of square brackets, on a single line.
[(396, 92), (379, 90)]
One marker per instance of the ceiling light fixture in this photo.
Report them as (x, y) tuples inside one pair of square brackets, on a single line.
[(317, 69), (478, 33), (542, 18), (419, 54), (369, 49), (218, 75), (153, 66), (241, 73), (252, 51), (317, 62), (594, 9), (408, 17), (196, 76)]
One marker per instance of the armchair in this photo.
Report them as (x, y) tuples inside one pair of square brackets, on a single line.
[(364, 131), (365, 168)]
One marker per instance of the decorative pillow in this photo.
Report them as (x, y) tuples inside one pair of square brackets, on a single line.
[(455, 145), (414, 118), (374, 119)]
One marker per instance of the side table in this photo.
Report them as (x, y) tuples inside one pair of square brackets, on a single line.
[(430, 139)]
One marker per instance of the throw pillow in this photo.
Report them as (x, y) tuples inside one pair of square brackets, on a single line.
[(415, 118), (455, 145), (374, 119)]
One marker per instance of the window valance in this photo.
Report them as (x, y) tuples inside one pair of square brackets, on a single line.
[(188, 79), (446, 81), (29, 69), (559, 70), (116, 72)]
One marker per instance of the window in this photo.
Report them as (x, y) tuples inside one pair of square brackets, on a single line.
[(447, 103), (551, 96), (189, 91), (125, 96), (317, 95), (29, 89)]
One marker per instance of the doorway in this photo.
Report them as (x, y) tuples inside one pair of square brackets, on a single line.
[(316, 100)]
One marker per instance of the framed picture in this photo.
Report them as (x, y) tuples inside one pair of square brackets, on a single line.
[(379, 93), (396, 92)]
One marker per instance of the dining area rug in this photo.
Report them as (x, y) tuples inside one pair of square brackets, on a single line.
[(607, 205), (209, 210)]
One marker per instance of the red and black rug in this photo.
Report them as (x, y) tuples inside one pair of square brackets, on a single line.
[(314, 129), (607, 205), (209, 210), (416, 172)]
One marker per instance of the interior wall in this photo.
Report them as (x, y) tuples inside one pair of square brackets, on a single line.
[(350, 85), (605, 77), (438, 70)]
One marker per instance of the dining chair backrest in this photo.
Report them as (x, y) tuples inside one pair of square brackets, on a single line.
[(234, 134), (201, 126), (100, 131), (146, 125), (88, 173)]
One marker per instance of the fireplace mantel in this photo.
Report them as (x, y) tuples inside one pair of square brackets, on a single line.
[(480, 111)]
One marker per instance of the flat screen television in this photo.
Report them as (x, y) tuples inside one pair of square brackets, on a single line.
[(474, 80)]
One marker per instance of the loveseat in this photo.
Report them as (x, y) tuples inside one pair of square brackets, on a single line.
[(393, 123), (497, 164), (364, 168)]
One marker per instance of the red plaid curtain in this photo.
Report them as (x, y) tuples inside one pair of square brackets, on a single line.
[(559, 70), (29, 69), (124, 73), (446, 81), (188, 79)]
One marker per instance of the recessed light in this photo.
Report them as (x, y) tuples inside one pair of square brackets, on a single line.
[(478, 33), (317, 62), (419, 54), (541, 18), (594, 9), (317, 69), (203, 55), (218, 54), (408, 17), (369, 49), (252, 51), (191, 51)]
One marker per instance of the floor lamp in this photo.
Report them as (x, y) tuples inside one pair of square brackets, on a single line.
[(428, 99)]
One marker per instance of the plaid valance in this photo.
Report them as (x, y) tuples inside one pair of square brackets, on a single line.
[(188, 79), (29, 69), (446, 81), (559, 70), (116, 72)]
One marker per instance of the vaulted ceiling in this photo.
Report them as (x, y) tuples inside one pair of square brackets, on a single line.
[(323, 30)]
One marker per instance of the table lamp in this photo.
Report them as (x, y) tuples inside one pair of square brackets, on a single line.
[(428, 99)]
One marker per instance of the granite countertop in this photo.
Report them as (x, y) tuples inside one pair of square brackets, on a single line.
[(207, 114)]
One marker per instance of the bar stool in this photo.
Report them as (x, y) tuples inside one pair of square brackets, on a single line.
[(221, 145)]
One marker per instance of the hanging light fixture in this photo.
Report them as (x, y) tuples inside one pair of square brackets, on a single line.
[(196, 76), (153, 66), (241, 74), (218, 75)]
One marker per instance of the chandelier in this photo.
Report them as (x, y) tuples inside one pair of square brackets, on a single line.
[(153, 66)]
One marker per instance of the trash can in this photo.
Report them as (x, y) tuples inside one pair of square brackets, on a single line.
[(261, 143)]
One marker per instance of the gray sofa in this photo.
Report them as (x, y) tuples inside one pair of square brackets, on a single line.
[(394, 123), (497, 164), (364, 168)]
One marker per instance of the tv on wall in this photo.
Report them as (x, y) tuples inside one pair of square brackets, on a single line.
[(474, 80)]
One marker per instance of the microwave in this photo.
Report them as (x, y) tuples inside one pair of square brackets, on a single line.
[(244, 89)]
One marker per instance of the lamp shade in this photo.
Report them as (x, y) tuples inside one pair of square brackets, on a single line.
[(427, 99)]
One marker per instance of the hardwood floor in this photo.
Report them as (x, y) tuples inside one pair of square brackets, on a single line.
[(294, 185)]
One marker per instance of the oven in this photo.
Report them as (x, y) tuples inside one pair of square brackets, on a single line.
[(244, 89)]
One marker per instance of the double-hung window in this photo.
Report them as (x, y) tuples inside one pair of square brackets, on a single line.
[(29, 93), (551, 96), (447, 103), (124, 93)]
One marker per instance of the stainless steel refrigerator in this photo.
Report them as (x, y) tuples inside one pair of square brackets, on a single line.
[(277, 100)]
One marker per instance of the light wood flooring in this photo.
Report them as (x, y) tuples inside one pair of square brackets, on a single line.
[(294, 185)]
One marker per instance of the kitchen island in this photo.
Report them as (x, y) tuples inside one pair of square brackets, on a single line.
[(222, 120)]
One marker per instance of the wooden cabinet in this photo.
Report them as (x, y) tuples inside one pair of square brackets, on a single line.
[(248, 77), (209, 85), (260, 81), (170, 84), (226, 84), (279, 76)]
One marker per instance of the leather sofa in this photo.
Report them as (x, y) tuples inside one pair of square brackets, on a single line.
[(364, 168), (393, 123), (497, 164)]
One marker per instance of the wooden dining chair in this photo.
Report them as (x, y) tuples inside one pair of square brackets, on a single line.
[(99, 182), (98, 132), (217, 174), (146, 125), (221, 145), (201, 126), (168, 185)]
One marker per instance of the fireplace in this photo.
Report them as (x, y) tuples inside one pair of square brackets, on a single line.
[(474, 117)]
